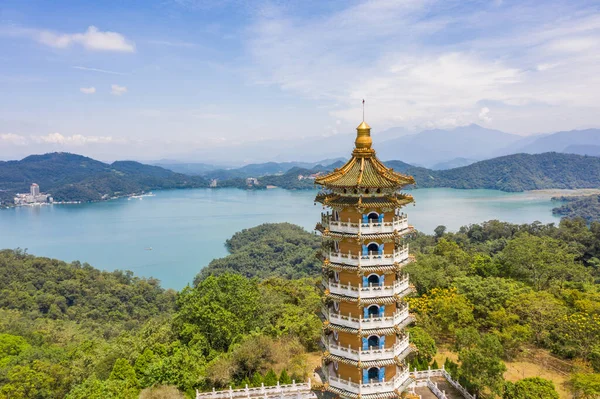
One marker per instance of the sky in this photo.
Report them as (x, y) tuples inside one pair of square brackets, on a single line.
[(155, 79)]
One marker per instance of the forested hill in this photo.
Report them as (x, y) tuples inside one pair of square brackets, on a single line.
[(518, 172), (71, 177)]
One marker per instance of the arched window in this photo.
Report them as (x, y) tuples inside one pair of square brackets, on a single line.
[(336, 306), (373, 280), (336, 246), (336, 277), (373, 217), (373, 248), (373, 311), (373, 373), (373, 341)]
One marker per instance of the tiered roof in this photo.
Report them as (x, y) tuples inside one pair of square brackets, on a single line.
[(364, 170)]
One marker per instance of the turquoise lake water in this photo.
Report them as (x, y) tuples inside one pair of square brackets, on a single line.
[(186, 229)]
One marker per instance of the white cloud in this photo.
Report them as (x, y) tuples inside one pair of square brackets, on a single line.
[(88, 90), (73, 140), (97, 70), (13, 139), (573, 44), (92, 39), (417, 68), (484, 115), (117, 90)]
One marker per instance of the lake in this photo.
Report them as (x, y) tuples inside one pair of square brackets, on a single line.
[(186, 229)]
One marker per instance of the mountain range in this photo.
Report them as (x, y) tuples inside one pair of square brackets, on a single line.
[(71, 177), (517, 172), (435, 148)]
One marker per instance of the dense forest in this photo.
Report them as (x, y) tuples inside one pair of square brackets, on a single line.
[(490, 293), (518, 172), (585, 206), (70, 177)]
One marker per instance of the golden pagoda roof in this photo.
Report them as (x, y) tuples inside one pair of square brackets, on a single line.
[(365, 172), (388, 201), (364, 169)]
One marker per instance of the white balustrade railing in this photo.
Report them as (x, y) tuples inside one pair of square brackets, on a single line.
[(372, 259), (292, 391), (425, 375), (398, 317), (370, 291), (303, 390), (398, 223), (372, 387), (399, 349)]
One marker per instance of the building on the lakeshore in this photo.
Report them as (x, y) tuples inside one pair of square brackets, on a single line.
[(34, 190), (252, 181), (34, 197), (365, 314), (213, 183)]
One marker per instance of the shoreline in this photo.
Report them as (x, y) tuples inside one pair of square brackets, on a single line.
[(550, 192), (566, 192)]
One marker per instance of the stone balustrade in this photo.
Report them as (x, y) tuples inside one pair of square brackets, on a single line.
[(400, 350), (372, 259), (288, 391), (398, 287), (398, 223), (361, 322), (372, 387)]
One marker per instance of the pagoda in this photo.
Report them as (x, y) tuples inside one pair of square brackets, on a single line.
[(365, 314)]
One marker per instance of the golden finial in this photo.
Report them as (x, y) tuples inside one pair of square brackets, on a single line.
[(363, 136)]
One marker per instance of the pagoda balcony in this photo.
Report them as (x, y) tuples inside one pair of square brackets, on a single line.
[(400, 350), (398, 223), (399, 287), (366, 323), (371, 259), (373, 387)]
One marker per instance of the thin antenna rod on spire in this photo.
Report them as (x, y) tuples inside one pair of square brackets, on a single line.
[(363, 109)]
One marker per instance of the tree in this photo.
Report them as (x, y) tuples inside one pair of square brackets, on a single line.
[(481, 365), (539, 260), (527, 388), (270, 378), (221, 308), (424, 342), (257, 379), (123, 371), (439, 231), (488, 294), (11, 345), (540, 310), (284, 378), (585, 385), (442, 311), (579, 334)]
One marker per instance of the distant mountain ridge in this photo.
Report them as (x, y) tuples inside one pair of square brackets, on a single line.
[(434, 148), (518, 172), (430, 147), (71, 177), (513, 173)]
